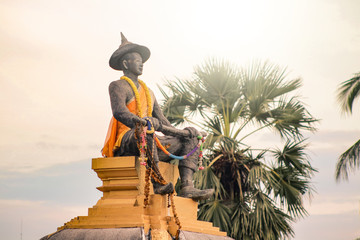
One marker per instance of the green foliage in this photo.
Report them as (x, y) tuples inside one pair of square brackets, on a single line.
[(348, 161), (348, 91), (258, 192)]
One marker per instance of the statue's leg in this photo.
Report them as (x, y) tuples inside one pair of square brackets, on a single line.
[(158, 188), (187, 167), (129, 148), (128, 145)]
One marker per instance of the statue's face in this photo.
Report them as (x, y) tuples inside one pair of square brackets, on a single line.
[(135, 64)]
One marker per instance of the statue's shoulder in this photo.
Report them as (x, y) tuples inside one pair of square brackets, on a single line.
[(119, 84)]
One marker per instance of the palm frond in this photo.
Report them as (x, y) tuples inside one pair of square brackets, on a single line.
[(182, 103), (266, 221), (219, 79), (175, 114), (293, 156), (240, 219), (348, 161), (290, 117), (259, 176), (206, 179), (216, 212), (290, 189), (214, 125), (263, 83), (348, 91)]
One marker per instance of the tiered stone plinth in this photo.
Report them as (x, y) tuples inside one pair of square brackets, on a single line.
[(122, 203)]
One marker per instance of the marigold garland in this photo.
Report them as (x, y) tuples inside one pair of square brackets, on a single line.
[(137, 96), (154, 173)]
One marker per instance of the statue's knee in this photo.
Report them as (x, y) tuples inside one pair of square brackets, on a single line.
[(189, 163)]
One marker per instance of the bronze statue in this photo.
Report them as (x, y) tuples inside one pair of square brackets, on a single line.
[(122, 137)]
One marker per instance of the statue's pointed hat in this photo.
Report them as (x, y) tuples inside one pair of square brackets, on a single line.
[(127, 47)]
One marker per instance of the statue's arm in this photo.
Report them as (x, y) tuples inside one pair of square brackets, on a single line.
[(170, 129), (166, 127), (157, 113), (118, 93)]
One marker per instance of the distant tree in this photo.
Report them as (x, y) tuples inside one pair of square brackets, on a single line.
[(348, 91), (258, 192)]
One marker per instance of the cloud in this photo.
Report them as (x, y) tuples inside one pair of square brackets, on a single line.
[(73, 182), (34, 219), (19, 203), (334, 141), (46, 146), (33, 156), (328, 207), (329, 227), (322, 141), (45, 199)]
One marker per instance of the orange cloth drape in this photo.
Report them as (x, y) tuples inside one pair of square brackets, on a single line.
[(117, 130)]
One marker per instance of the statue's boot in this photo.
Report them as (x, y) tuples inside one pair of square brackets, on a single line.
[(158, 188), (187, 186), (162, 189)]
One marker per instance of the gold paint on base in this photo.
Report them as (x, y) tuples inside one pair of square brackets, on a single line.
[(160, 234), (123, 197)]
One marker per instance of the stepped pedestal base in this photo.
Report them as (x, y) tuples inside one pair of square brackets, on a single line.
[(122, 204)]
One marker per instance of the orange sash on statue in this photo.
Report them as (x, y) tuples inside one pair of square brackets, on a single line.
[(117, 130)]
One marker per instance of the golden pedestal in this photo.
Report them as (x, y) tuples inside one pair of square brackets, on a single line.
[(122, 203)]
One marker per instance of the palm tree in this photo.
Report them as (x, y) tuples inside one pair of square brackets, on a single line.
[(348, 91), (258, 190)]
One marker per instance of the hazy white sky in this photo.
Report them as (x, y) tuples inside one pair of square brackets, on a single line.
[(55, 108)]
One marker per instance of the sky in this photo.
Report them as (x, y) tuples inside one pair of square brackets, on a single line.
[(55, 109)]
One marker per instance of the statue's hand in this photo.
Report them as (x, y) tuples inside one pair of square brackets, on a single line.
[(156, 124), (142, 121), (193, 132)]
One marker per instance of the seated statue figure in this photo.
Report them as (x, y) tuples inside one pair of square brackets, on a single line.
[(122, 135)]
